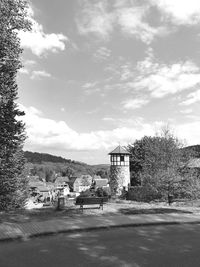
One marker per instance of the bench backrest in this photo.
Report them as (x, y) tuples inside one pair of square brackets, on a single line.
[(89, 200)]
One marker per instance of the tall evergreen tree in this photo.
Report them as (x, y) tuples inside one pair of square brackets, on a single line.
[(12, 132)]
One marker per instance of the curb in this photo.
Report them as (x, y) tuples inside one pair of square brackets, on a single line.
[(24, 237)]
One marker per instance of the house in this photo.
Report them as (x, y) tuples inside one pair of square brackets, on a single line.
[(96, 177), (87, 177), (61, 181), (101, 183), (34, 186), (44, 191), (62, 185), (82, 183), (194, 163), (39, 191)]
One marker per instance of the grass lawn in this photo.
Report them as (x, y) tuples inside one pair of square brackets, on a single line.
[(124, 207)]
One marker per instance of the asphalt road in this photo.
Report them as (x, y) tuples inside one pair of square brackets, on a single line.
[(177, 245)]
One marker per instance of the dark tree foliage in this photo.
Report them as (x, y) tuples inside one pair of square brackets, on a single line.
[(35, 157), (69, 172), (102, 173), (12, 136), (193, 149)]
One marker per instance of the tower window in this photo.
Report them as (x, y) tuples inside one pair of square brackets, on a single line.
[(121, 158)]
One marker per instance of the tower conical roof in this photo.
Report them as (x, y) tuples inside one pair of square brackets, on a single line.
[(119, 150)]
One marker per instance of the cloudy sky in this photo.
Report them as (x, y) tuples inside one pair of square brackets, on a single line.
[(100, 73)]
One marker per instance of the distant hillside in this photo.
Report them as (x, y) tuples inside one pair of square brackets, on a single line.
[(43, 164), (35, 157), (195, 149)]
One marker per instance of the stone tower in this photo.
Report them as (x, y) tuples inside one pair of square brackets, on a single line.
[(119, 170)]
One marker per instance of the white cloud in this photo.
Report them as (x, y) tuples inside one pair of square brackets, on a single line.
[(180, 11), (134, 103), (23, 71), (153, 79), (192, 98), (30, 62), (47, 134), (94, 18), (132, 22), (109, 119), (187, 111), (162, 79), (89, 88), (126, 72), (89, 85), (102, 53), (101, 18), (37, 74), (189, 132), (40, 42)]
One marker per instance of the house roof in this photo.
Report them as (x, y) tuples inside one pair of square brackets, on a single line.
[(82, 181), (119, 150), (86, 176), (35, 183), (72, 180), (78, 180), (101, 182), (97, 177), (194, 163), (43, 188), (60, 180)]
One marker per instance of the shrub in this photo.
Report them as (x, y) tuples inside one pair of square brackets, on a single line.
[(102, 192), (144, 193), (86, 193), (124, 194)]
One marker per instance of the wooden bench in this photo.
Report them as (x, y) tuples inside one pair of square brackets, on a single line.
[(90, 201)]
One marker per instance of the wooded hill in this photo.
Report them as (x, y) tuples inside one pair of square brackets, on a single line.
[(35, 157), (46, 165), (195, 149)]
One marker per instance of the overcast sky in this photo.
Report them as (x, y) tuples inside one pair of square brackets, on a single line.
[(97, 73)]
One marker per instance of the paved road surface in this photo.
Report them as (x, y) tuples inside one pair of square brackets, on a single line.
[(177, 245)]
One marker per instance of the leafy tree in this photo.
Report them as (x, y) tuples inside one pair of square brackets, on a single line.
[(41, 173), (49, 174), (101, 192), (159, 161), (12, 136), (67, 171), (36, 157), (102, 173)]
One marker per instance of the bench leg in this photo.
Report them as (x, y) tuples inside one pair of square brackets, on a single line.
[(81, 207)]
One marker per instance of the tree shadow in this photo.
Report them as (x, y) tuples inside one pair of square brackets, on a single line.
[(132, 211), (127, 247), (21, 216)]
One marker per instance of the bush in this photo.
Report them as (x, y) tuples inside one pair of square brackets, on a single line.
[(86, 193), (144, 193), (107, 192), (102, 192), (124, 194)]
